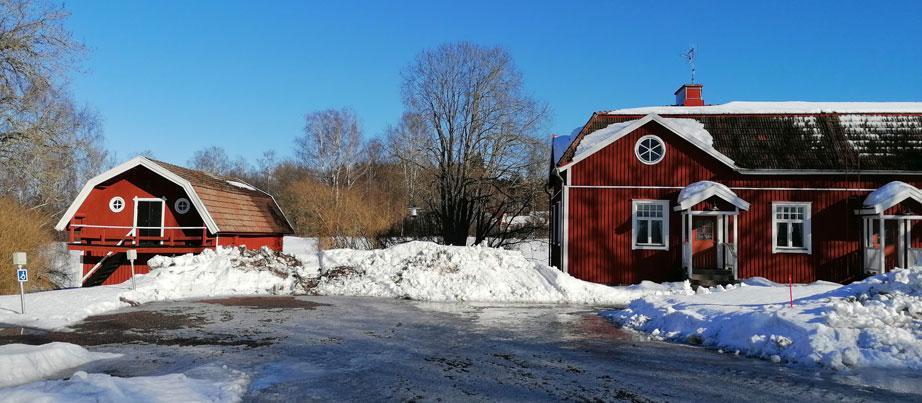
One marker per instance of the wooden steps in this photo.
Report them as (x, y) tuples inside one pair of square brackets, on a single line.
[(711, 277)]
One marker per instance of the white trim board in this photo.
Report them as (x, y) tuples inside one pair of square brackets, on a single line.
[(731, 188), (124, 167), (636, 125)]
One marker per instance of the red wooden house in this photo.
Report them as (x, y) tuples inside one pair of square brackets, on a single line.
[(815, 191), (163, 209)]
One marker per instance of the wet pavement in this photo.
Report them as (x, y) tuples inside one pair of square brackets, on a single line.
[(338, 348)]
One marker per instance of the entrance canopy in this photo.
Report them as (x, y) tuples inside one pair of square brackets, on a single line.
[(702, 190), (889, 195)]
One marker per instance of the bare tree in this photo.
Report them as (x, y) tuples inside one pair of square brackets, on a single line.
[(480, 134), (214, 160), (331, 146)]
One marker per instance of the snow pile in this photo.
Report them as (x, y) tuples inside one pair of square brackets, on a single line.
[(873, 323), (693, 129), (890, 194), (208, 384), (592, 140), (23, 363), (430, 272), (225, 271)]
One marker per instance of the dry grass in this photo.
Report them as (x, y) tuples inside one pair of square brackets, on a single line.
[(21, 231)]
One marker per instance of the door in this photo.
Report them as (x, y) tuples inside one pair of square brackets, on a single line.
[(149, 213), (892, 243), (704, 242)]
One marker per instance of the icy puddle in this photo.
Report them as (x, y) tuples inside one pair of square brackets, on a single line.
[(341, 348)]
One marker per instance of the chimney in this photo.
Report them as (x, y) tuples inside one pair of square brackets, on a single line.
[(689, 95)]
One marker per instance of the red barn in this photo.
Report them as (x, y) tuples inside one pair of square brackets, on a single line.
[(815, 191), (163, 209)]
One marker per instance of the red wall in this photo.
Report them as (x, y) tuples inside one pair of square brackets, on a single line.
[(599, 244), (142, 183)]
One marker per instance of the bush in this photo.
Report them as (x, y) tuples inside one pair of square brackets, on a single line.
[(349, 218), (22, 231)]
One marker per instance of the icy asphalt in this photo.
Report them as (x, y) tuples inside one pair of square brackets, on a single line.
[(369, 349)]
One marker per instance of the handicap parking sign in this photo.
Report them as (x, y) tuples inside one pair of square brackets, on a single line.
[(22, 275)]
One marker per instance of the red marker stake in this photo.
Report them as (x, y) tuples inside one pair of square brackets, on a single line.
[(791, 287)]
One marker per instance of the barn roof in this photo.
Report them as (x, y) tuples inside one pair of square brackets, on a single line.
[(795, 136), (227, 205)]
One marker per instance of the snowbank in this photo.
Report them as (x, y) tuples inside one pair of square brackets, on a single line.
[(416, 270), (430, 272), (225, 271), (873, 323), (209, 384), (23, 363)]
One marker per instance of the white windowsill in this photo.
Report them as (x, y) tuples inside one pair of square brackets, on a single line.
[(803, 251)]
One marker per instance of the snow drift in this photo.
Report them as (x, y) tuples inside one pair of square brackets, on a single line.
[(415, 270), (24, 363), (873, 323), (206, 384), (430, 272)]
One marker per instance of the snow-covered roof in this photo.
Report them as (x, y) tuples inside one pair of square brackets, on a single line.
[(890, 195), (789, 107), (689, 129), (700, 191)]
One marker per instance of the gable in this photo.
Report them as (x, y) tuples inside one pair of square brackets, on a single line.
[(225, 206), (616, 164)]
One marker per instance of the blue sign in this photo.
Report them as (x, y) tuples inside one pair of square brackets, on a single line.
[(22, 275)]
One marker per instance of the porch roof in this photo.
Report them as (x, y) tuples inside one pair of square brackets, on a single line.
[(702, 190), (890, 195)]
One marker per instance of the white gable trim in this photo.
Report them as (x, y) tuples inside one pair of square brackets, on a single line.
[(124, 167), (663, 122), (710, 189), (890, 195)]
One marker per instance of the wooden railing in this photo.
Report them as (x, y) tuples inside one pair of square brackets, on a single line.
[(115, 235)]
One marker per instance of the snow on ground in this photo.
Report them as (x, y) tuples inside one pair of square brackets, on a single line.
[(23, 363), (430, 272), (417, 270), (873, 323), (207, 384)]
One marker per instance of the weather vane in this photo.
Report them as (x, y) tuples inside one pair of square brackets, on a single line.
[(690, 57)]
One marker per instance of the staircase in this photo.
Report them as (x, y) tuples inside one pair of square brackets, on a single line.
[(712, 277), (109, 266)]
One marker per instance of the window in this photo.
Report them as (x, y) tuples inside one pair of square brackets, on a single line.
[(650, 149), (116, 204), (791, 227), (650, 227), (182, 205)]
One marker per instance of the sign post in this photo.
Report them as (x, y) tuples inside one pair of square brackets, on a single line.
[(132, 256), (22, 274)]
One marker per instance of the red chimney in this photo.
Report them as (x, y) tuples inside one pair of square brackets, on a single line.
[(689, 95)]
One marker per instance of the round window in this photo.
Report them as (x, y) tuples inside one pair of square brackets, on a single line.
[(116, 204), (650, 149), (182, 205)]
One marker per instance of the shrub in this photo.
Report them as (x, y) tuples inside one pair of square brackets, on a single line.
[(21, 230)]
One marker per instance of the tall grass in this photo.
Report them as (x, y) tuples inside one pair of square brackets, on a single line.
[(21, 231)]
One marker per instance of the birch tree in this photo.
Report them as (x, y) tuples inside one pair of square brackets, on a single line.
[(331, 147)]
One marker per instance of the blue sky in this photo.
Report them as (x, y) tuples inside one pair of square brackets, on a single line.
[(176, 76)]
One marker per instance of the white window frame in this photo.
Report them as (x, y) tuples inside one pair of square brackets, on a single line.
[(637, 149), (162, 211), (635, 219), (176, 206), (808, 224), (112, 204)]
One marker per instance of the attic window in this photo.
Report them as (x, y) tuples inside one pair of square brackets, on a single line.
[(116, 204), (182, 205), (650, 149)]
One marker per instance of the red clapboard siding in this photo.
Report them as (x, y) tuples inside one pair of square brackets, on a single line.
[(599, 215)]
